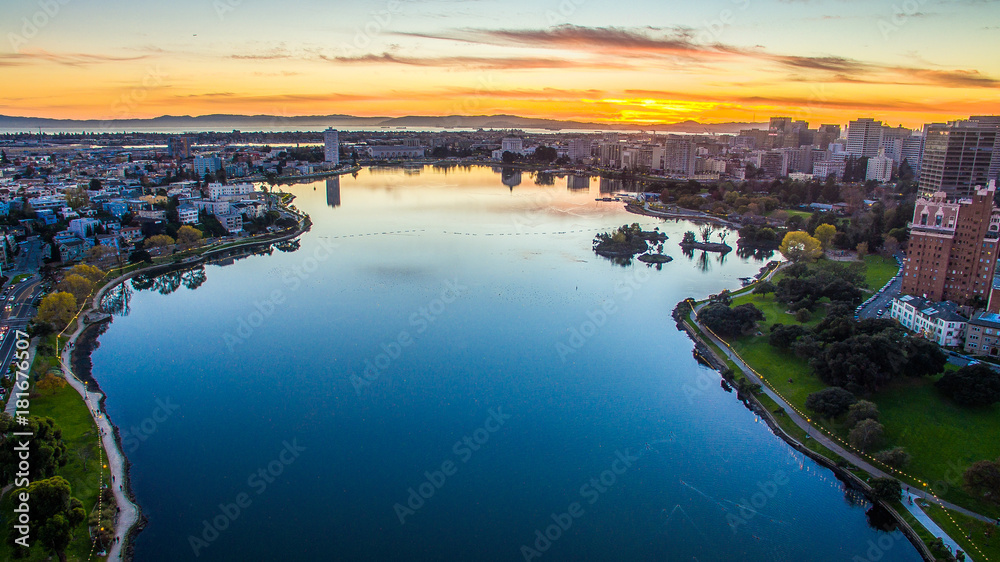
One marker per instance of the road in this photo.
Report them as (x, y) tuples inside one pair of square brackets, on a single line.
[(16, 318), (29, 259), (882, 301)]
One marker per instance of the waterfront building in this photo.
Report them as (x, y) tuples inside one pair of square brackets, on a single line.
[(939, 322), (331, 146), (953, 248)]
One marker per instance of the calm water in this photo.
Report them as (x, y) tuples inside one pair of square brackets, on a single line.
[(312, 390)]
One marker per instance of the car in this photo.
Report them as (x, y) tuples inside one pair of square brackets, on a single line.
[(881, 312)]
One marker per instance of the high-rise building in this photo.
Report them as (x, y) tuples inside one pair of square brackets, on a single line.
[(992, 121), (879, 168), (578, 149), (953, 247), (912, 151), (179, 147), (780, 124), (679, 155), (611, 154), (864, 136), (958, 157), (206, 164), (331, 146), (892, 141)]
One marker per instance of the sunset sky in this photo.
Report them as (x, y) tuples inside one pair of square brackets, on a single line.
[(826, 61)]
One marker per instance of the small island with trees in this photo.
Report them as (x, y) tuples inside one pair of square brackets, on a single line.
[(628, 241), (691, 242)]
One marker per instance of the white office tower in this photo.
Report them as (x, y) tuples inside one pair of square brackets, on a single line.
[(331, 145)]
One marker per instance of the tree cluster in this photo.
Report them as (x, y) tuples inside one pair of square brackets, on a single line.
[(730, 322)]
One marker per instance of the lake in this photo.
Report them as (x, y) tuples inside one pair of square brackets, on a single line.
[(442, 369)]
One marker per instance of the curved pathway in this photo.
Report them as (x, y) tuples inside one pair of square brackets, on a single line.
[(816, 434), (129, 514)]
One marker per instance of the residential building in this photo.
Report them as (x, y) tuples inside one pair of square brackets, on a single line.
[(217, 191), (331, 146), (864, 136), (116, 207), (957, 157), (578, 149), (879, 167), (233, 222), (84, 228), (953, 248), (983, 334), (187, 214), (207, 164), (939, 322)]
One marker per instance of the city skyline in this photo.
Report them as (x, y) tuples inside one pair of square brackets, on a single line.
[(732, 61)]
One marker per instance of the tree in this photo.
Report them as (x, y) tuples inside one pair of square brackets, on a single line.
[(57, 309), (763, 288), (77, 285), (140, 256), (860, 411), (798, 246), (784, 335), (725, 321), (830, 402), (3, 158), (55, 512), (46, 448), (77, 198), (867, 435), (87, 271), (982, 480), (188, 235), (923, 357), (158, 241), (825, 233), (99, 252), (886, 489), (896, 457), (862, 249), (972, 385), (95, 185)]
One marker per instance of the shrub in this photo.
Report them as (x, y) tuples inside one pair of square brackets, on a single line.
[(860, 411), (830, 402), (886, 489), (896, 457), (802, 315)]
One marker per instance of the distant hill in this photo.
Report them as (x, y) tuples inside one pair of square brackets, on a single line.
[(227, 122)]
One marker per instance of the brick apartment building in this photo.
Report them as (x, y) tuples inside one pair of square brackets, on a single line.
[(953, 249)]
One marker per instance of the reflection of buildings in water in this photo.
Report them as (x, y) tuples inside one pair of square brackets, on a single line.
[(578, 182), (333, 191), (510, 178), (610, 185)]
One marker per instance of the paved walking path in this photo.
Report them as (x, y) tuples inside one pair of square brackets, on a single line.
[(911, 505), (818, 435), (115, 460)]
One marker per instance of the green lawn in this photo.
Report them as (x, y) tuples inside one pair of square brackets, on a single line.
[(879, 271), (82, 471), (942, 438)]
